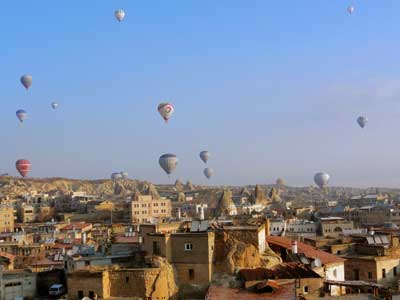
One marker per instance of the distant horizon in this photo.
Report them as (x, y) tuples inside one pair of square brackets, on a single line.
[(270, 88), (196, 184)]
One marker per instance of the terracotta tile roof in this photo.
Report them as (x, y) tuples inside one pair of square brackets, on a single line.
[(7, 255), (77, 226), (284, 292), (282, 271), (309, 251), (47, 262), (61, 246)]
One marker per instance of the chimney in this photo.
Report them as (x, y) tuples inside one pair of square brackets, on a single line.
[(267, 227), (294, 247), (201, 213), (84, 238), (179, 216)]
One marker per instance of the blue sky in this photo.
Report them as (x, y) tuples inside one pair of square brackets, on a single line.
[(271, 88)]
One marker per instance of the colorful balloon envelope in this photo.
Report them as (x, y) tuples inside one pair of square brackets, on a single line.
[(208, 172), (362, 121), (205, 156), (23, 166), (321, 179), (166, 110), (26, 81), (21, 115), (350, 9), (168, 162), (116, 176), (119, 15), (54, 105), (280, 182)]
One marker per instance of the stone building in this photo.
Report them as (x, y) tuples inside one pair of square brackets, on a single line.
[(334, 226), (145, 209), (192, 256), (17, 284), (330, 266), (6, 218), (26, 213), (156, 283), (378, 269), (191, 253)]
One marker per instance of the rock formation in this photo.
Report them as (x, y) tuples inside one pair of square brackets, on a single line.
[(189, 185), (232, 254), (150, 189), (274, 195), (181, 197), (166, 281), (258, 197), (178, 185), (225, 206)]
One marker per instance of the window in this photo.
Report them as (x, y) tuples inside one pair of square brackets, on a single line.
[(91, 294), (188, 246), (335, 273), (305, 289), (383, 273), (126, 279), (369, 275), (156, 248), (395, 271), (356, 274), (191, 274), (338, 253), (80, 294)]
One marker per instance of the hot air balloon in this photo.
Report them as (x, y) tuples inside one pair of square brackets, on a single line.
[(26, 81), (168, 162), (119, 15), (321, 179), (205, 156), (362, 121), (280, 182), (21, 115), (54, 105), (116, 176), (208, 172), (124, 175), (350, 9), (23, 166), (166, 110)]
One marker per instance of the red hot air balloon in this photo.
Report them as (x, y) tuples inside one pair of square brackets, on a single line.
[(23, 166)]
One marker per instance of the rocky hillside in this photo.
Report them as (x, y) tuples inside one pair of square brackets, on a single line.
[(14, 186)]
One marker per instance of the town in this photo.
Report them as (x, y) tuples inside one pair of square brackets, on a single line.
[(126, 239)]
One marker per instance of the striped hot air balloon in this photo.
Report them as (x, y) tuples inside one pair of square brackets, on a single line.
[(168, 162), (23, 166)]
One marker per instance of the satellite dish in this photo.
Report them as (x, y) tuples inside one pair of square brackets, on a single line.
[(86, 298), (316, 263)]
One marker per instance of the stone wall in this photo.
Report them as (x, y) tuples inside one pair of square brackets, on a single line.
[(85, 281), (149, 283)]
